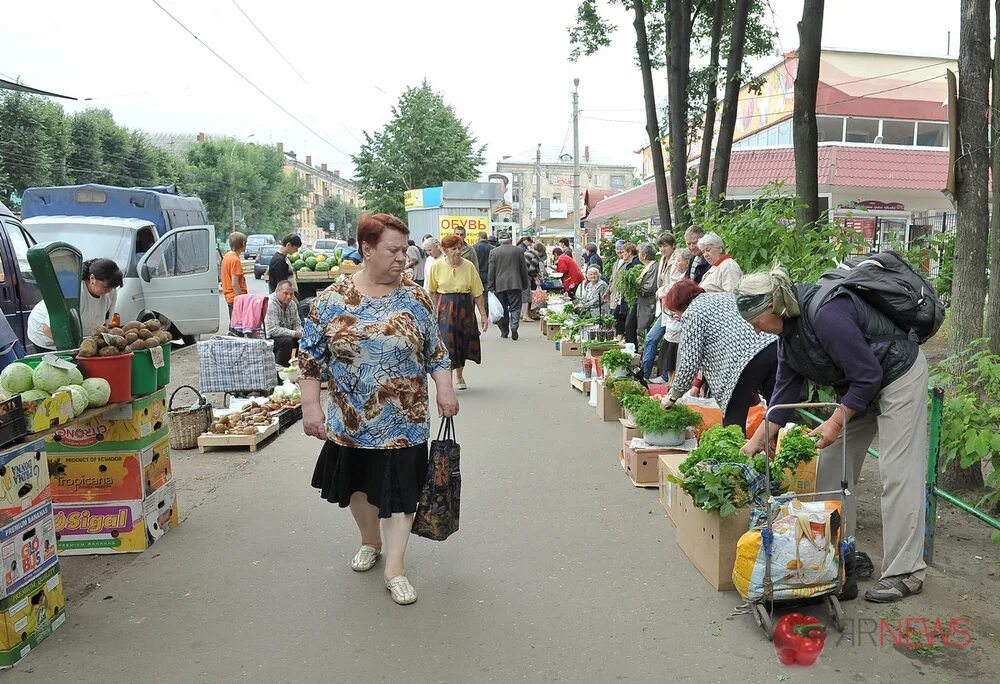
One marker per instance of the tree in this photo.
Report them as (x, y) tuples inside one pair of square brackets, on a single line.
[(731, 99), (678, 54), (971, 198), (592, 32), (993, 315), (424, 145), (711, 80), (34, 139), (805, 139), (342, 215), (229, 174)]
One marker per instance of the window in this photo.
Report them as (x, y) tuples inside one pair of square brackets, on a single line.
[(161, 259), (19, 241), (830, 128), (557, 197), (897, 132), (598, 180), (861, 130), (618, 182), (192, 252), (932, 134), (516, 178)]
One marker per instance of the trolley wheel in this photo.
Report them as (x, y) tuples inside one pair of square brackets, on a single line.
[(763, 619), (836, 612)]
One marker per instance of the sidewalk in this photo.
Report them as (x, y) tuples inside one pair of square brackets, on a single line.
[(562, 572)]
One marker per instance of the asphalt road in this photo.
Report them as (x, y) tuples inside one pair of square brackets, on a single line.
[(562, 572)]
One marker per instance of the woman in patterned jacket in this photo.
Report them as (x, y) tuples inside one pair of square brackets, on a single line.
[(376, 336), (738, 364)]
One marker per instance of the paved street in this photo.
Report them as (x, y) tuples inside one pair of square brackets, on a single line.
[(562, 572)]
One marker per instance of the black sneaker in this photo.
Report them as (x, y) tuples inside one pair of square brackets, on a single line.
[(513, 334), (892, 589)]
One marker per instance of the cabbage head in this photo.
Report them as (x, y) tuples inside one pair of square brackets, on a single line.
[(98, 391), (16, 378)]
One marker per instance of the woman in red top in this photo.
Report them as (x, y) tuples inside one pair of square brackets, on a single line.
[(572, 276)]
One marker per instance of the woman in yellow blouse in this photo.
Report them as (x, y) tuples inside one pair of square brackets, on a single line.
[(454, 285)]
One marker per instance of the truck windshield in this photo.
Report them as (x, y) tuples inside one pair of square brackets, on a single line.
[(102, 242)]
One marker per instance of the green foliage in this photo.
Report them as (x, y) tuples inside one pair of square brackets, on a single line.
[(796, 447), (627, 387), (227, 172), (765, 233), (633, 402), (633, 234), (712, 487), (717, 443), (627, 283), (970, 425), (343, 215), (652, 417), (424, 145), (615, 360), (944, 244)]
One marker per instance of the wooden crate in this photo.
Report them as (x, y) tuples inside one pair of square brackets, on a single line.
[(580, 383), (251, 442)]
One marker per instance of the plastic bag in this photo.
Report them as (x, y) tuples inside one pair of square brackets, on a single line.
[(709, 409), (496, 308)]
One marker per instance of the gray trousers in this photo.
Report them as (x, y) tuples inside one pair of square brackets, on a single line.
[(899, 417)]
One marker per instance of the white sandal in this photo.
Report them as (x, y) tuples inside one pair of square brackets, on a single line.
[(365, 559), (401, 590)]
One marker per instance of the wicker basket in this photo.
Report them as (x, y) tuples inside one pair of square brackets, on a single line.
[(185, 425)]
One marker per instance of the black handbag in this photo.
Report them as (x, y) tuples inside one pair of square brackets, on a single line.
[(437, 508)]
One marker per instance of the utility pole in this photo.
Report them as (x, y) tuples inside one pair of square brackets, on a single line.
[(577, 247), (538, 190)]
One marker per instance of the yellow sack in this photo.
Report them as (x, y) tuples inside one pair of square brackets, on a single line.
[(804, 553)]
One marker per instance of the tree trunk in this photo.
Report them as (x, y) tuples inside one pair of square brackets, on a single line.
[(711, 100), (971, 199), (804, 135), (993, 312), (678, 70), (731, 100), (652, 124)]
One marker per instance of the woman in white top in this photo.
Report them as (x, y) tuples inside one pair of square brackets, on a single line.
[(432, 246), (724, 274), (98, 299)]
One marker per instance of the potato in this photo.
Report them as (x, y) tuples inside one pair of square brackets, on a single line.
[(118, 341), (143, 334), (249, 431), (131, 325), (164, 337), (117, 332), (109, 351), (100, 329), (88, 348), (131, 337), (151, 343), (153, 325)]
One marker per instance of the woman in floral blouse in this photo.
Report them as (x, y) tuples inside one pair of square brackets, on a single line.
[(376, 336)]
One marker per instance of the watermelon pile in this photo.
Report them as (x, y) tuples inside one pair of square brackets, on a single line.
[(308, 261)]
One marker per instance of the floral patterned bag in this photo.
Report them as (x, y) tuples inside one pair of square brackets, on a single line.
[(437, 509)]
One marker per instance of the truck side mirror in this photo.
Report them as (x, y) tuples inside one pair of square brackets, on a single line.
[(144, 272)]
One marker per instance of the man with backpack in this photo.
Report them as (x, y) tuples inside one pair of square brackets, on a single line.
[(858, 332)]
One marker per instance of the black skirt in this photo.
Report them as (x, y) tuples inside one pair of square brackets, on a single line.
[(392, 479)]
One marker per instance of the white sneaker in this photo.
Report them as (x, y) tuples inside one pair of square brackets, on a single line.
[(365, 559)]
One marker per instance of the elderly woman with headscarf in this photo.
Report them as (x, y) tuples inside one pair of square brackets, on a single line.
[(880, 377), (592, 295), (724, 273), (738, 364)]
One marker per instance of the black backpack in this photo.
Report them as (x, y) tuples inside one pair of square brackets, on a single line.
[(889, 284)]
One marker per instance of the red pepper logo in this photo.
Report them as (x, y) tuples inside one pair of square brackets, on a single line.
[(798, 639)]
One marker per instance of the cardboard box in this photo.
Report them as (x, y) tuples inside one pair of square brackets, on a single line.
[(709, 540), (129, 427), (551, 330), (642, 465), (608, 406), (117, 526), (30, 610), (27, 548), (24, 480), (10, 657), (567, 348), (48, 413), (111, 476), (629, 431), (669, 464)]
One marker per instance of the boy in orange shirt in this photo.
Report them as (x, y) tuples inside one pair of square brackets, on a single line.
[(234, 283)]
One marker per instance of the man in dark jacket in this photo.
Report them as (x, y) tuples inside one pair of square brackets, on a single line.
[(483, 249), (880, 375), (507, 277), (697, 265)]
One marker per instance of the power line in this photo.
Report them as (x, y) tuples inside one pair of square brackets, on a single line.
[(273, 46), (249, 82)]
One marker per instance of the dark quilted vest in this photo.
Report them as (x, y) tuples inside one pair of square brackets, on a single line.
[(802, 351)]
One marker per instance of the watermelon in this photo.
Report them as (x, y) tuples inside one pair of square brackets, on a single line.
[(323, 266), (311, 262), (300, 266), (305, 269)]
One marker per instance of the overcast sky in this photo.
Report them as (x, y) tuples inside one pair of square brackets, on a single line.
[(502, 65)]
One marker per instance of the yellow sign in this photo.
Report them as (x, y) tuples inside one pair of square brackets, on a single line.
[(413, 199), (472, 224)]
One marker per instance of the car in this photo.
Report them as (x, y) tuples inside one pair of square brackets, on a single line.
[(263, 260), (254, 244), (328, 246)]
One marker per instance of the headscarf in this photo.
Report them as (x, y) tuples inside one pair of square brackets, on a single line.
[(775, 293)]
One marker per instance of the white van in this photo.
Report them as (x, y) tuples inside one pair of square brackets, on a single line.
[(173, 278)]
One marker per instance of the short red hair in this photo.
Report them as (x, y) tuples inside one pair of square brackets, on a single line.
[(450, 241), (371, 227), (680, 296)]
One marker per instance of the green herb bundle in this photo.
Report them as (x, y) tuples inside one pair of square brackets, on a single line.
[(717, 443), (796, 447), (623, 387), (722, 489), (652, 417), (633, 402), (616, 359), (627, 283)]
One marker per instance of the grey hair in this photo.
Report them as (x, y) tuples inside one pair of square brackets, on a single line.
[(431, 243), (694, 230), (647, 251), (711, 240), (593, 268), (682, 254)]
